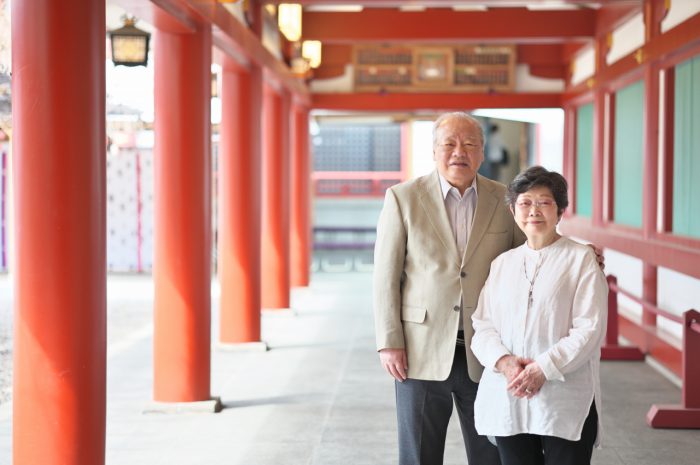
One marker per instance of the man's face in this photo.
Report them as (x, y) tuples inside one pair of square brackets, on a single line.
[(458, 152)]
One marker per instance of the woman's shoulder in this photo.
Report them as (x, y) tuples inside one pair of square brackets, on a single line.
[(575, 247), (577, 254)]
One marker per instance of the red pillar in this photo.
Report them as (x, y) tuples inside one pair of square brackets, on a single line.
[(301, 199), (275, 237), (239, 203), (570, 155), (602, 195), (58, 104), (652, 19), (182, 268), (651, 181)]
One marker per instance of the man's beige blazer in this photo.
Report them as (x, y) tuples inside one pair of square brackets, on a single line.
[(419, 278)]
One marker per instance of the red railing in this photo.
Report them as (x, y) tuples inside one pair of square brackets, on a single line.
[(354, 183), (687, 414), (612, 350)]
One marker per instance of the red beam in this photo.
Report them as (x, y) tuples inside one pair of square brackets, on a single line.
[(433, 101), (443, 3), (335, 58), (614, 15), (657, 250), (680, 40), (234, 38), (229, 34), (677, 40), (544, 60), (540, 54), (165, 15), (502, 24), (653, 345)]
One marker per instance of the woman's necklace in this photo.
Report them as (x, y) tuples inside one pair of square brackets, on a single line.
[(534, 276)]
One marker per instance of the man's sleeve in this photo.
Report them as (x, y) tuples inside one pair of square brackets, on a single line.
[(389, 257)]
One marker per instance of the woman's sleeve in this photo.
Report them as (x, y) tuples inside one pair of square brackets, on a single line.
[(486, 342), (588, 324)]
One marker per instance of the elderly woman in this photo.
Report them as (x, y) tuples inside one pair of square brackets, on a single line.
[(538, 329)]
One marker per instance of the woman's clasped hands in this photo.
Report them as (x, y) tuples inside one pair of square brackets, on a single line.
[(525, 377)]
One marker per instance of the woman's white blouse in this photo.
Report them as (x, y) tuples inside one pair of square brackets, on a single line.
[(562, 331)]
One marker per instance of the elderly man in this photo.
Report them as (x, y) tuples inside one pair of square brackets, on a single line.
[(436, 238)]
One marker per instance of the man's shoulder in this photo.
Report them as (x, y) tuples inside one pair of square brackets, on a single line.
[(493, 186), (412, 186)]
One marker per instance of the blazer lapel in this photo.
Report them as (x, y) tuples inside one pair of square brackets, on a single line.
[(485, 208), (434, 206)]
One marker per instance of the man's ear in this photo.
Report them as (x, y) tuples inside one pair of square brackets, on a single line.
[(512, 212)]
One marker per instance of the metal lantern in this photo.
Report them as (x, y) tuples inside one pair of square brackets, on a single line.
[(129, 44)]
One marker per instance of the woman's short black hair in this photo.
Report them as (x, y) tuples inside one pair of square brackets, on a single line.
[(537, 176)]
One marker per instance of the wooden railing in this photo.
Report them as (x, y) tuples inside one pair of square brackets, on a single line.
[(686, 414)]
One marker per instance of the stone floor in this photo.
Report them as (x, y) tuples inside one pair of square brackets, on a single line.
[(318, 396)]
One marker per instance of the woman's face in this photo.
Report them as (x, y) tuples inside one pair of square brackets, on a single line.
[(536, 212)]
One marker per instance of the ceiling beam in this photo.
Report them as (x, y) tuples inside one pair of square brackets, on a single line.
[(445, 25), (456, 3), (432, 101)]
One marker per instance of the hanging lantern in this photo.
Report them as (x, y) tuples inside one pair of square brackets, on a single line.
[(129, 44), (311, 51), (289, 20)]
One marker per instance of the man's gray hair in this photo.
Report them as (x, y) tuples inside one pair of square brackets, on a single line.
[(457, 115)]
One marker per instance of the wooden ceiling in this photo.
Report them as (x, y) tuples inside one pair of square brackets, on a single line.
[(546, 32)]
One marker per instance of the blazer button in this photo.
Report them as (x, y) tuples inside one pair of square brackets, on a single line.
[(463, 274), (456, 308)]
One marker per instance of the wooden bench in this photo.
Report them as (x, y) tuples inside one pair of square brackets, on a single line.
[(349, 239)]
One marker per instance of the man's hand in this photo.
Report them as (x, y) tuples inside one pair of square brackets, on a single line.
[(528, 382), (511, 366), (395, 363), (598, 255)]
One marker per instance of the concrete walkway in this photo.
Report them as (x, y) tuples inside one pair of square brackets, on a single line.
[(318, 397)]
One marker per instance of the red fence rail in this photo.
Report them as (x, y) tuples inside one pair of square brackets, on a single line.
[(612, 350), (354, 183), (687, 414)]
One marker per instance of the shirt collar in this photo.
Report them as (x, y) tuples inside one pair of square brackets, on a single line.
[(446, 187)]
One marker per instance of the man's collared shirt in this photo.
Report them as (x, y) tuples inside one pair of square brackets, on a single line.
[(460, 211)]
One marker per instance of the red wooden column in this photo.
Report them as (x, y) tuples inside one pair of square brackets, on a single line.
[(58, 104), (602, 196), (301, 198), (182, 267), (569, 162), (275, 237), (653, 13), (239, 202)]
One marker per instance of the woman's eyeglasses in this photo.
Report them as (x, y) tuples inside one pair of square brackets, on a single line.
[(538, 204)]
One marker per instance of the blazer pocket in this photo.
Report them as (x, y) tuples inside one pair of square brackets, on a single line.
[(413, 314), (497, 232)]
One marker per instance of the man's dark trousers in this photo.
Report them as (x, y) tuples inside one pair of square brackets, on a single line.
[(424, 409)]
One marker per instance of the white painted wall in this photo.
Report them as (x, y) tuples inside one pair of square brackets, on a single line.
[(676, 293), (342, 84), (584, 66), (421, 156), (628, 271), (626, 38), (526, 82), (679, 12)]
